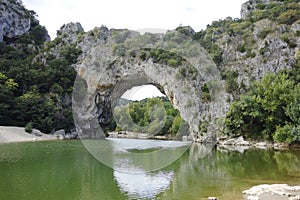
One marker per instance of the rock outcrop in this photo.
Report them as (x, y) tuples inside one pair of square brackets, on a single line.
[(121, 59), (14, 19)]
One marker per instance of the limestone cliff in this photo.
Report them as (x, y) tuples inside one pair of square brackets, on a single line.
[(14, 19)]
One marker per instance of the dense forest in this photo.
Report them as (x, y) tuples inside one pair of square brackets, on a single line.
[(37, 94)]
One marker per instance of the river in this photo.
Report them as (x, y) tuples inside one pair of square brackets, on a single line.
[(68, 170)]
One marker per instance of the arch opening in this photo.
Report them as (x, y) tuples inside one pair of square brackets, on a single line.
[(144, 112)]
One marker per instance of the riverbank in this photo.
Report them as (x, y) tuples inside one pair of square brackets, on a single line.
[(240, 144), (136, 135), (10, 134)]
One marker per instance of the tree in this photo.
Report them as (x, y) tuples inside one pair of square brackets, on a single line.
[(7, 88), (266, 109)]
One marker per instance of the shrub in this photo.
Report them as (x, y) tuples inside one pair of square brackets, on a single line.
[(28, 127), (287, 133), (263, 33), (241, 48)]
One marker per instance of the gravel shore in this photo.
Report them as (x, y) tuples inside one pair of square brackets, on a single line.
[(18, 134)]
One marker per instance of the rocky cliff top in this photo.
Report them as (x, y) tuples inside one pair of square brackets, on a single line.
[(14, 19)]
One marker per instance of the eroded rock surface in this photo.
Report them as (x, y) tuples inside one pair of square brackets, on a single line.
[(14, 19)]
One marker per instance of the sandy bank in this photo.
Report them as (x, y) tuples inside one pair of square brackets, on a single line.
[(18, 134)]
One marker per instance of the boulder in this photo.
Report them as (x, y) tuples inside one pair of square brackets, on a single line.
[(61, 134), (236, 141), (274, 191), (36, 132), (73, 135)]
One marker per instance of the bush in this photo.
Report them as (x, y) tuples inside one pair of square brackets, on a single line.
[(288, 17), (288, 133), (28, 127), (263, 33), (270, 110)]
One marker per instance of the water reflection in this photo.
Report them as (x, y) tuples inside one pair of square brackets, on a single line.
[(136, 182), (147, 155), (139, 184), (65, 170), (134, 158)]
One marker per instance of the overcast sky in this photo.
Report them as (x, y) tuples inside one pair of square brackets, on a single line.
[(132, 14)]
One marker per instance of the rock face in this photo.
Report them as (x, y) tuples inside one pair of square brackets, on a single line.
[(14, 19), (118, 60), (249, 6)]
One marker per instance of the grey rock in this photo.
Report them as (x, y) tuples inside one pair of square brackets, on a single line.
[(73, 135), (69, 32), (249, 6), (275, 191), (61, 134), (236, 141), (261, 144), (115, 75), (14, 20), (36, 132), (295, 198)]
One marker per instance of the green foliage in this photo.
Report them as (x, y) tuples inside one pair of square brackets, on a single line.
[(264, 32), (231, 84), (206, 39), (28, 127), (270, 110), (161, 56), (205, 93), (284, 12), (241, 48), (32, 91), (288, 40), (202, 126), (153, 115), (287, 133)]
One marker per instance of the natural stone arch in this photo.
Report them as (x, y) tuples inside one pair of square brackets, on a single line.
[(107, 76)]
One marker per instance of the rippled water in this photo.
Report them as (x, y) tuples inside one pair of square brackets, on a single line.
[(66, 170)]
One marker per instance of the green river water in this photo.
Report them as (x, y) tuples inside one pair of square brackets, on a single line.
[(66, 170)]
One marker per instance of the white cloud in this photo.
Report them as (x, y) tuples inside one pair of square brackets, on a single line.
[(132, 14)]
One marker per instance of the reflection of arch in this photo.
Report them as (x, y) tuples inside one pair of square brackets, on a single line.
[(140, 184), (108, 76)]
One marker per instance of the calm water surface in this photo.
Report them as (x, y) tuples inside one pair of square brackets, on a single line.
[(66, 170)]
